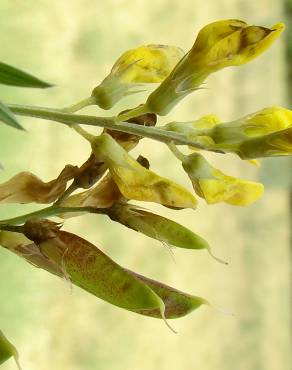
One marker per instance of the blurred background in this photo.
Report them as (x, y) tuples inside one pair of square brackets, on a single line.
[(73, 44)]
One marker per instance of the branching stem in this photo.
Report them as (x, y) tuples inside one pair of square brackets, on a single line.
[(49, 212), (154, 133)]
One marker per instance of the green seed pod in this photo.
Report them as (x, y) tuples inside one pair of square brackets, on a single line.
[(156, 227), (89, 268), (177, 303), (69, 256), (7, 350)]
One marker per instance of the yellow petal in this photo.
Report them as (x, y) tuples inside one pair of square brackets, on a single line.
[(214, 186), (147, 64), (267, 120), (230, 190), (219, 44), (136, 182), (255, 162)]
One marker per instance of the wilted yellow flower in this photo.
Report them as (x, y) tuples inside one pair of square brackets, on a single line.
[(145, 64), (272, 145), (262, 122), (214, 186), (218, 45), (25, 187), (256, 135), (103, 195), (136, 182)]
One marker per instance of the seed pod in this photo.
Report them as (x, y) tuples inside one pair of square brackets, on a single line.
[(177, 304), (136, 182), (156, 227), (7, 350), (90, 269), (67, 255), (27, 188)]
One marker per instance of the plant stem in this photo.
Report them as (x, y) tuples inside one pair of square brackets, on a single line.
[(154, 133), (178, 154), (80, 105), (138, 111), (76, 107), (49, 212), (66, 194)]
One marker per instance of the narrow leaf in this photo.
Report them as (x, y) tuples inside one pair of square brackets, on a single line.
[(7, 350), (15, 77), (7, 117)]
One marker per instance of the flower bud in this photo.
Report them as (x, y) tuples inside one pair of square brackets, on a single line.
[(136, 182), (218, 45), (145, 64), (214, 186)]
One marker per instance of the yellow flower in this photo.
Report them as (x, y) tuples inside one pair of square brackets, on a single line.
[(136, 182), (145, 64), (214, 186), (272, 145), (261, 134), (218, 45), (262, 122)]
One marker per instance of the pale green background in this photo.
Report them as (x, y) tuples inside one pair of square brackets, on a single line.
[(73, 43)]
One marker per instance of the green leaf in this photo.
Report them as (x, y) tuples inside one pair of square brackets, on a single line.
[(15, 77), (7, 350), (7, 117)]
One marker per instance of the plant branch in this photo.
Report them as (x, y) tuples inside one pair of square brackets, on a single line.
[(49, 212), (154, 133)]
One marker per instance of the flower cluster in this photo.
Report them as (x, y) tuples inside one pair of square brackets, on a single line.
[(113, 179)]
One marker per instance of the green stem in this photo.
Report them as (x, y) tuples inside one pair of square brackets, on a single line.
[(80, 105), (138, 111), (154, 133), (178, 154), (76, 107), (49, 212)]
